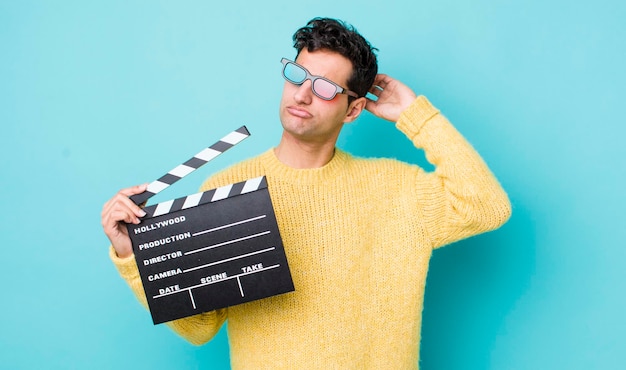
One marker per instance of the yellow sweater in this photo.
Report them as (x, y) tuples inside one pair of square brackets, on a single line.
[(358, 234)]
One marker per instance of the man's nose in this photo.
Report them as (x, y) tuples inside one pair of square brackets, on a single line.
[(303, 93)]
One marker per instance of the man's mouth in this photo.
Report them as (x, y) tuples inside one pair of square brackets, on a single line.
[(299, 112)]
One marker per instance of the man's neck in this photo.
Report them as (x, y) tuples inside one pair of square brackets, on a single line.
[(304, 155)]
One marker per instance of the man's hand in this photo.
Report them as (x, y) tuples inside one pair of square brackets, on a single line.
[(393, 98), (118, 211)]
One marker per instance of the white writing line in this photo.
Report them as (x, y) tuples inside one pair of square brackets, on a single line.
[(230, 259), (217, 281), (193, 303), (240, 288), (229, 225), (226, 243)]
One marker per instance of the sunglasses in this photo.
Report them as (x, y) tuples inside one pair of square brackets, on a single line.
[(322, 87)]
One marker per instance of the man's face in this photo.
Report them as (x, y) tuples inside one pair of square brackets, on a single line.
[(307, 117)]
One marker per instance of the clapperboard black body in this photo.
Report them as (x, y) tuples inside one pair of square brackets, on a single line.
[(209, 250)]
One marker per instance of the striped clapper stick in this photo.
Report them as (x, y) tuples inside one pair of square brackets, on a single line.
[(192, 164)]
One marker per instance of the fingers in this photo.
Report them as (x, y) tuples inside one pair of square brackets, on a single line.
[(380, 89), (381, 81), (138, 189), (124, 194), (383, 86), (121, 208), (392, 98), (117, 211), (375, 90)]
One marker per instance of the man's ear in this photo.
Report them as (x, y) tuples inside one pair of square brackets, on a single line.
[(354, 109)]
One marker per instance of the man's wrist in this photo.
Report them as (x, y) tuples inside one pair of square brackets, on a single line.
[(120, 255), (415, 116)]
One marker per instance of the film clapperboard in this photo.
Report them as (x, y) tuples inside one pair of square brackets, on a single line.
[(208, 250)]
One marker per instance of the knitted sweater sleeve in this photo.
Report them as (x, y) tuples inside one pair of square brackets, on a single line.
[(197, 329), (461, 197)]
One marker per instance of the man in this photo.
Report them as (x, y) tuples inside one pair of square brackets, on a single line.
[(358, 233)]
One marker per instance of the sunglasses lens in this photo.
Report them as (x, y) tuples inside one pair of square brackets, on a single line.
[(294, 73), (324, 89)]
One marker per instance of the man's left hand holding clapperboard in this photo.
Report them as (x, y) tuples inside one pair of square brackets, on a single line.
[(208, 250)]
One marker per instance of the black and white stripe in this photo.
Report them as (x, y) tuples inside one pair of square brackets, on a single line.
[(192, 164), (208, 196)]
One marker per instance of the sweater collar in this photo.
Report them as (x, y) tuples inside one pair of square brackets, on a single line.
[(275, 168)]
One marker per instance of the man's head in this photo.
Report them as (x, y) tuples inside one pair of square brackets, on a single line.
[(336, 36), (331, 57)]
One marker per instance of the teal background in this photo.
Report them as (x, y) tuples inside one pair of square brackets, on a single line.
[(100, 95)]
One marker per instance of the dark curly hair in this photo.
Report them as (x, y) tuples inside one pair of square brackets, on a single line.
[(340, 37)]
